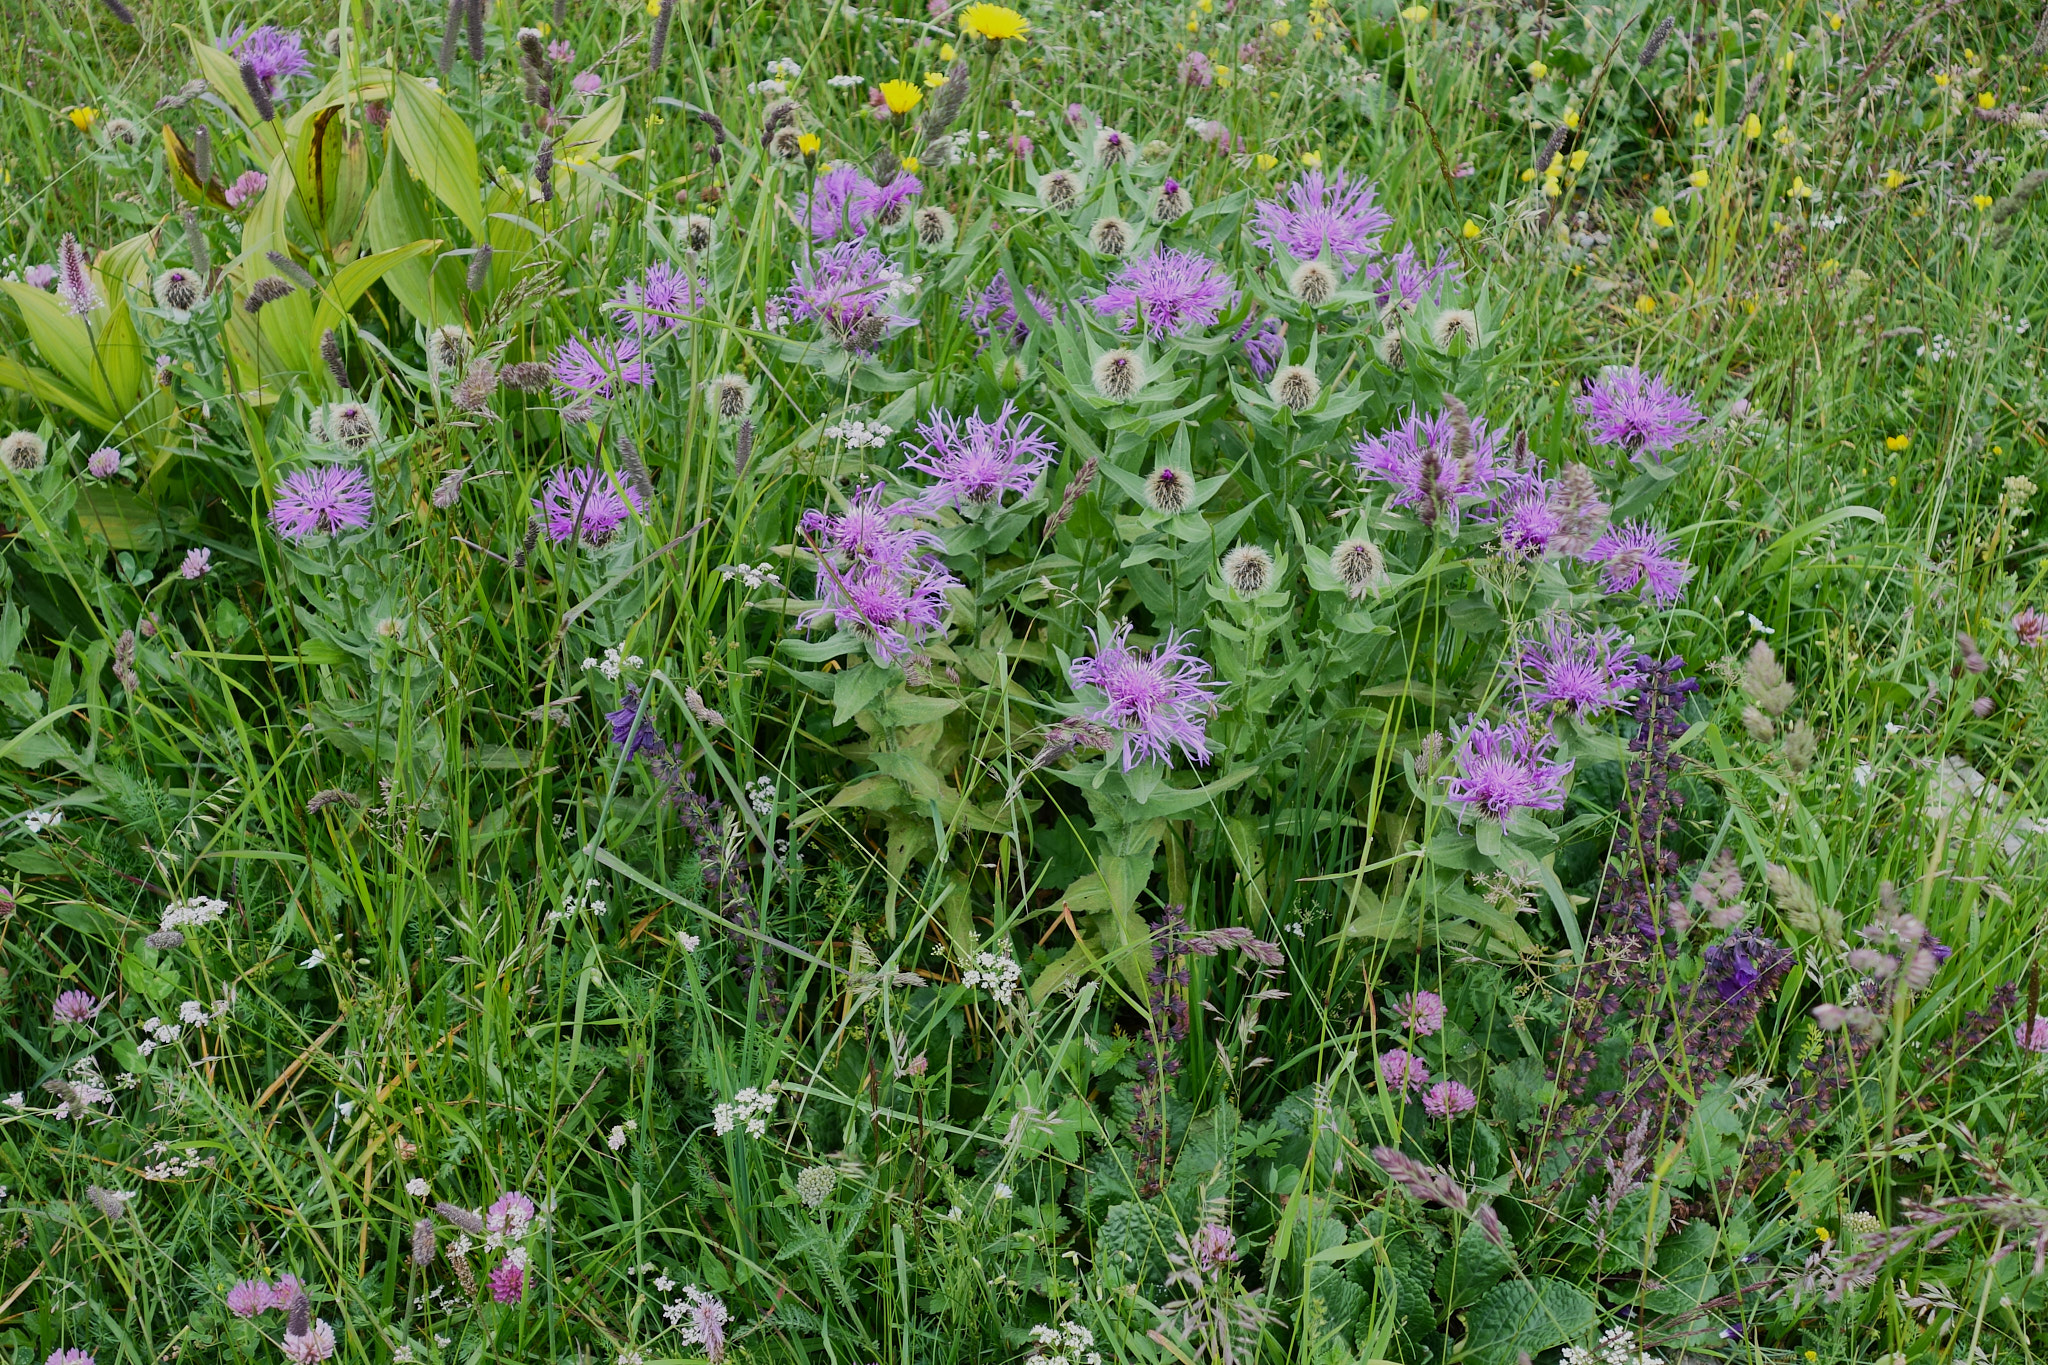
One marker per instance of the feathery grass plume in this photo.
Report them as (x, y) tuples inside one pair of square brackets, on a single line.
[(259, 95), (544, 170), (526, 546), (635, 467), (527, 376), (330, 356), (331, 796), (1658, 37), (464, 1276), (451, 34), (2002, 212), (708, 718), (1077, 488), (1973, 657), (448, 491), (122, 14), (124, 662), (182, 96), (659, 41), (297, 272), (781, 113), (423, 1242), (202, 155), (710, 121), (1461, 431), (1801, 748), (560, 15), (474, 23), (2039, 48), (265, 291), (195, 243), (164, 940), (946, 103), (479, 268), (468, 1220), (1551, 148), (884, 167), (1764, 682), (479, 382), (534, 68), (112, 1203), (743, 447), (1750, 92), (298, 1316)]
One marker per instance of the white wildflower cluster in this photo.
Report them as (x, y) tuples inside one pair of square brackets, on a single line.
[(1618, 1346), (1937, 349), (174, 1165), (749, 1110), (814, 1185), (614, 663), (158, 1032), (857, 434), (761, 796), (575, 903), (995, 973), (190, 914), (36, 821), (752, 575), (418, 1188), (770, 88), (699, 1318), (688, 941), (1067, 1344), (844, 82), (784, 69), (616, 1139)]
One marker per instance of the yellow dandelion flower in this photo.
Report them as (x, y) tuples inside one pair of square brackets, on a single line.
[(993, 22), (934, 79), (1899, 442), (808, 143), (1537, 71), (1699, 179), (900, 96), (1986, 100), (83, 117), (1471, 229), (1661, 216)]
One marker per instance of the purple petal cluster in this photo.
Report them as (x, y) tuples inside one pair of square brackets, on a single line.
[(845, 203), (1449, 1099), (1639, 557), (1586, 671), (1334, 216), (1422, 1012), (1416, 458), (74, 1007), (1157, 700), (976, 461), (1642, 415), (853, 292), (1167, 293), (877, 575), (1505, 768), (1402, 277), (586, 368), (632, 729), (579, 501), (655, 304), (323, 500), (1403, 1071), (993, 312), (1743, 961), (275, 54), (1265, 343)]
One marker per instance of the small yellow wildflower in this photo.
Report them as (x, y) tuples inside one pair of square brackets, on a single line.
[(808, 143), (1528, 173), (1825, 1236), (993, 22), (1941, 80), (1645, 304), (1986, 100), (1265, 161), (910, 163), (1551, 188), (1282, 27), (1899, 442), (1835, 18), (1893, 179), (1537, 71), (934, 79), (1800, 189), (1471, 229), (1791, 60), (1312, 159), (1194, 26), (900, 96), (1415, 14), (1571, 118), (1661, 216), (1783, 135), (1752, 127), (83, 117), (1223, 76), (1206, 6), (1556, 166), (1699, 118), (1699, 179), (654, 7), (947, 52), (1982, 201)]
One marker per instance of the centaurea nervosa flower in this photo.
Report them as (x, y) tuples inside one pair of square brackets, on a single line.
[(1423, 461), (276, 55), (1529, 514), (1403, 279), (593, 369), (1334, 216), (884, 206), (994, 312), (876, 575), (1586, 671), (655, 304), (1637, 556), (977, 461), (324, 499), (1505, 768), (853, 292), (581, 501), (1167, 293), (836, 206), (1157, 701), (1642, 415), (1265, 343)]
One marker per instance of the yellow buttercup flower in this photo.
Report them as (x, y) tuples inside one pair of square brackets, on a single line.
[(1551, 189), (1556, 166), (1699, 118), (1982, 201), (1835, 18), (993, 22), (1265, 161), (1987, 100), (934, 79), (808, 143), (1699, 179), (1894, 179), (654, 7), (1471, 229), (1661, 216), (947, 52), (1752, 126), (900, 96), (1645, 304), (1899, 442), (1194, 25), (911, 164), (83, 117), (1537, 71)]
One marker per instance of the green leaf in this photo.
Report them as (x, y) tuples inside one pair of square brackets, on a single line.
[(1474, 1266), (1523, 1317), (436, 144)]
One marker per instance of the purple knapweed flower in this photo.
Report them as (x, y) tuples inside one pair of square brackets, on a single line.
[(1402, 277), (1449, 1099), (654, 305), (1586, 671), (248, 1298), (247, 186), (994, 313), (1643, 416), (74, 1007), (1021, 146), (975, 461), (2031, 1037), (581, 501), (884, 205), (1332, 215), (876, 575), (103, 463), (1416, 458), (39, 276), (1403, 1071), (325, 499), (508, 1281), (1736, 965), (1168, 293), (1421, 1011), (632, 730), (1637, 556), (869, 532), (1529, 515), (834, 205), (276, 55), (853, 292), (1505, 768), (1157, 701), (591, 369), (1265, 343), (196, 565), (74, 278)]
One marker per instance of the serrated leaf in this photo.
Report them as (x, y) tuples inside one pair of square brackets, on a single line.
[(1523, 1317)]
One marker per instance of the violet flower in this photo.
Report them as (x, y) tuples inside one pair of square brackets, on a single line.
[(1505, 768), (74, 278), (585, 369), (633, 731), (1584, 670), (276, 55), (581, 501), (653, 306), (2031, 1037), (1402, 277), (1448, 1100), (994, 312), (977, 461), (1265, 343), (1158, 701), (1643, 416), (508, 1281), (834, 206), (1422, 1012), (1741, 962), (74, 1007), (1422, 461), (1638, 556), (1403, 1071), (704, 1323), (1334, 216), (1168, 293), (247, 186), (853, 292), (324, 499), (876, 575), (248, 1298)]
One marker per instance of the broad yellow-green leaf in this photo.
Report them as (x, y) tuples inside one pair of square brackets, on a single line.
[(587, 136), (61, 340), (50, 389), (120, 365), (398, 217), (185, 174), (352, 279), (436, 144)]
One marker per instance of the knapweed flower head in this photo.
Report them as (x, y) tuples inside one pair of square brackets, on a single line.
[(837, 203), (276, 55), (853, 292), (1324, 216), (1167, 293), (993, 313), (975, 461), (1423, 461), (1637, 557), (585, 368), (324, 499), (1403, 1071), (582, 502), (1422, 1012), (1529, 515), (1585, 670), (1403, 280), (1641, 414), (877, 576), (1154, 702), (74, 1007), (658, 302), (1448, 1100), (1503, 768), (1265, 343)]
